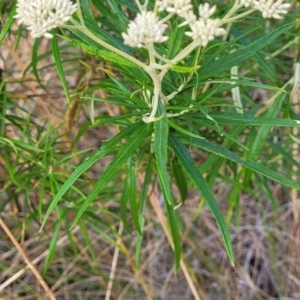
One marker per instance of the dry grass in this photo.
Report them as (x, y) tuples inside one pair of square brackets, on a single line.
[(267, 261)]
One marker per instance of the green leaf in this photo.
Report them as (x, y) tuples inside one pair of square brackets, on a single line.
[(105, 54), (103, 151), (260, 136), (34, 61), (229, 118), (116, 9), (7, 24), (182, 69), (278, 148), (262, 133), (253, 165), (52, 246), (180, 180), (160, 147), (119, 102), (142, 208), (132, 191), (175, 40), (196, 177), (235, 58), (87, 11), (59, 68), (19, 144), (186, 132), (134, 141), (174, 222), (123, 208), (101, 34)]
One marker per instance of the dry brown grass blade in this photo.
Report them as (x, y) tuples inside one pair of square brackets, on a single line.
[(27, 260), (163, 222), (34, 262), (295, 154), (114, 264)]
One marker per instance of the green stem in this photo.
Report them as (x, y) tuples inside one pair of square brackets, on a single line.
[(108, 46), (233, 9), (139, 5), (167, 62), (156, 95), (230, 20), (185, 52), (167, 18), (151, 70), (79, 13)]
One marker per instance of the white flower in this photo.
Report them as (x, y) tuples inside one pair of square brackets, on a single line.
[(179, 7), (164, 4), (189, 18), (145, 29), (271, 8), (205, 11), (247, 3), (204, 31), (40, 16)]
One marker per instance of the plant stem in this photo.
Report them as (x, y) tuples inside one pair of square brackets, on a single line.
[(185, 52), (151, 70), (230, 20), (108, 46), (233, 9)]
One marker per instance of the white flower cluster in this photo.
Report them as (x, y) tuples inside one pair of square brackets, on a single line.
[(247, 3), (268, 8), (40, 16), (205, 29), (145, 29), (179, 7)]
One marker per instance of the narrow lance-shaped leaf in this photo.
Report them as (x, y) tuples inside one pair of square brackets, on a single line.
[(87, 10), (229, 118), (59, 68), (260, 136), (173, 220), (253, 165), (134, 141), (105, 54), (179, 179), (196, 177), (8, 23), (226, 62), (142, 208), (160, 146), (132, 191)]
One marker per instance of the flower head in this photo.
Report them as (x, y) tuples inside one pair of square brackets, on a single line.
[(145, 29), (40, 16), (204, 31), (247, 3), (271, 8), (205, 11), (179, 7)]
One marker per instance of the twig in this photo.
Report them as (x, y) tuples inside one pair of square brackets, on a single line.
[(34, 262), (27, 260), (114, 264)]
